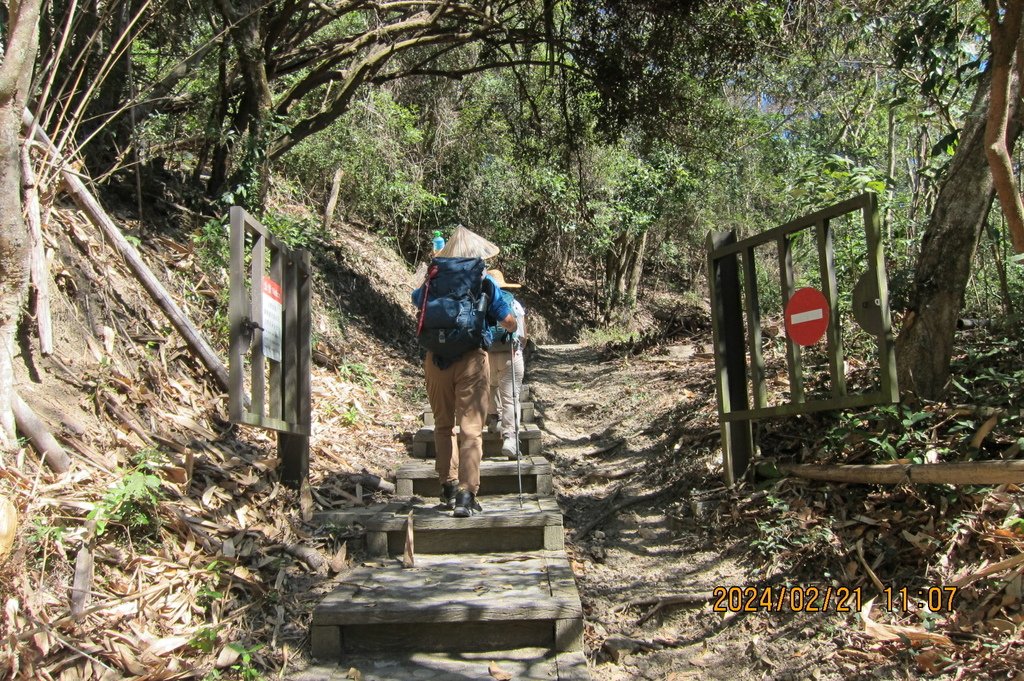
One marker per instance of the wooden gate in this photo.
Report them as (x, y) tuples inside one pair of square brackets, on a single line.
[(270, 337), (735, 304)]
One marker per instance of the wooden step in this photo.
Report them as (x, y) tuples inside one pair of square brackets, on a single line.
[(525, 395), (524, 664), (503, 526), (496, 477), (529, 442), (527, 411), (498, 601)]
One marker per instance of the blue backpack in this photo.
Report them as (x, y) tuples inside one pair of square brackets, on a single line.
[(452, 318)]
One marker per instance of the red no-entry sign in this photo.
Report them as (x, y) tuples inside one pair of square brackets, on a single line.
[(806, 316)]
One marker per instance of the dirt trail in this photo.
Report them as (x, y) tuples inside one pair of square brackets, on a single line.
[(641, 434)]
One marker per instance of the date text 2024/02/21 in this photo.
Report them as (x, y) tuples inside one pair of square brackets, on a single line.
[(826, 598)]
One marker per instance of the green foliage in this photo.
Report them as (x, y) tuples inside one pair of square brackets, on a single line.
[(991, 372), (605, 335), (132, 501), (378, 145), (356, 372), (45, 534), (785, 535), (212, 245), (351, 416), (205, 639), (245, 667), (293, 232)]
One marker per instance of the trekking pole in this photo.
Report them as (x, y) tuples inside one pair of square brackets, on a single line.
[(515, 418)]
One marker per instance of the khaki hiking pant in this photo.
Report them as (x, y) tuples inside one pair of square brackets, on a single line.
[(458, 395), (499, 397)]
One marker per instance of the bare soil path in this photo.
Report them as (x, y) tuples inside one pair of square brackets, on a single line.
[(651, 531)]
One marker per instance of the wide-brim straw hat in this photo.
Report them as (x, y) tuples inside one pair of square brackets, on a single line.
[(466, 244), (500, 278)]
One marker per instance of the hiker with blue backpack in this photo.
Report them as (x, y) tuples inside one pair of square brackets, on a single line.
[(506, 361), (458, 308)]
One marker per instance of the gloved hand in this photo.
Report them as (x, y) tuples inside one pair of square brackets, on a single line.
[(508, 337)]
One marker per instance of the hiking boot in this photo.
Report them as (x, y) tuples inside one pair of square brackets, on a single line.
[(465, 504), (508, 447), (448, 490)]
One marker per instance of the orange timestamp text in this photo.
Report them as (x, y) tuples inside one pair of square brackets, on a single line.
[(826, 598), (786, 599)]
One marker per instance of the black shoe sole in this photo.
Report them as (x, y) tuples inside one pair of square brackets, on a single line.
[(464, 512)]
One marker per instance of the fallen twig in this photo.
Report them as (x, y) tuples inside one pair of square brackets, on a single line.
[(677, 599), (586, 529), (696, 597), (992, 569)]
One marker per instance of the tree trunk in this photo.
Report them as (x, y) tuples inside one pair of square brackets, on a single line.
[(332, 200), (105, 150), (925, 345), (623, 267), (636, 270), (15, 82), (1005, 36), (254, 108)]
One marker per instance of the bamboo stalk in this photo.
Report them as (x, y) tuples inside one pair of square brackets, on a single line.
[(193, 338), (39, 272), (39, 435)]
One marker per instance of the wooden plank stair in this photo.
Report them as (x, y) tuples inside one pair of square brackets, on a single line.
[(529, 442), (419, 478), (493, 588)]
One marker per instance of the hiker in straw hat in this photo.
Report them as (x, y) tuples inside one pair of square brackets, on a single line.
[(458, 305), (502, 405), (466, 244)]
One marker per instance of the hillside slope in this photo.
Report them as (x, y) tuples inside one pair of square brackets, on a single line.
[(170, 548)]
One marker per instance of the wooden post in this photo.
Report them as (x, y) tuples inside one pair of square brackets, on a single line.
[(962, 473), (280, 401), (787, 283), (257, 268), (827, 265), (332, 200), (730, 355), (757, 371), (293, 448), (239, 331), (876, 266)]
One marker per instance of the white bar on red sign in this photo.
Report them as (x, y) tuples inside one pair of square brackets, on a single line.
[(809, 316)]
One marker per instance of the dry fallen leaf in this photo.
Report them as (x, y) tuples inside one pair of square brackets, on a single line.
[(8, 526), (898, 632), (409, 559), (306, 501), (227, 657), (339, 559), (498, 673), (354, 674), (165, 645)]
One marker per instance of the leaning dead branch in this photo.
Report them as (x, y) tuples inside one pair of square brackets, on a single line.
[(970, 473), (76, 187)]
